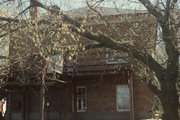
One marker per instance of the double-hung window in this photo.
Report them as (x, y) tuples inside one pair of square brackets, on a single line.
[(81, 99)]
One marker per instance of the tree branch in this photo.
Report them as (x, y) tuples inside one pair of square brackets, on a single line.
[(112, 44), (3, 57), (17, 20), (154, 88), (104, 40), (169, 40), (154, 10), (178, 24), (173, 4), (65, 18), (24, 10), (108, 42), (9, 19), (103, 18), (91, 46)]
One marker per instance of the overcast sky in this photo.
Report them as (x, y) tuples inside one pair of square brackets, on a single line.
[(71, 4), (65, 5)]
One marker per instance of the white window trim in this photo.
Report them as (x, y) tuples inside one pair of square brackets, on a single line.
[(85, 98), (121, 110)]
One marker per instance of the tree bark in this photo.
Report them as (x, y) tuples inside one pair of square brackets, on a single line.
[(169, 100), (42, 103)]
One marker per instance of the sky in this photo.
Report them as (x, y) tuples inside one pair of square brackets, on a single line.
[(72, 4), (66, 5)]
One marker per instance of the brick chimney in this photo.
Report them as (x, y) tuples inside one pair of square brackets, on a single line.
[(34, 11)]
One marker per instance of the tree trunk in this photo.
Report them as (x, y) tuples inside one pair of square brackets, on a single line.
[(169, 100), (42, 103)]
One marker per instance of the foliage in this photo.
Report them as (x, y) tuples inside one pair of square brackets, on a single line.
[(44, 36)]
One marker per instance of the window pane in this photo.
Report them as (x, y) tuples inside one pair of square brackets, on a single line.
[(81, 99), (123, 98)]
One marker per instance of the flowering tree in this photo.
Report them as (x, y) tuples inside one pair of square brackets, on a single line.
[(165, 70)]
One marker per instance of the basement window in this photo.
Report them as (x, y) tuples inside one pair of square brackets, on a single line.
[(81, 99), (122, 98)]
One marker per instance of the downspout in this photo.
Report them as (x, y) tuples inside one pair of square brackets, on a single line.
[(132, 93)]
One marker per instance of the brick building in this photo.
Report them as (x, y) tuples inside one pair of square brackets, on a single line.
[(103, 86)]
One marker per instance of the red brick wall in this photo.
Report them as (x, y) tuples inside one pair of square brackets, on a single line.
[(141, 33), (101, 95), (143, 97), (101, 98), (60, 98), (101, 92)]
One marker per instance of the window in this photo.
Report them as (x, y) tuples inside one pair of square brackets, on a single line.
[(115, 58), (55, 64), (123, 98), (81, 99)]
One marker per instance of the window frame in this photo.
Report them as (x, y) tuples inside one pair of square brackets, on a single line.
[(85, 99), (122, 110)]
